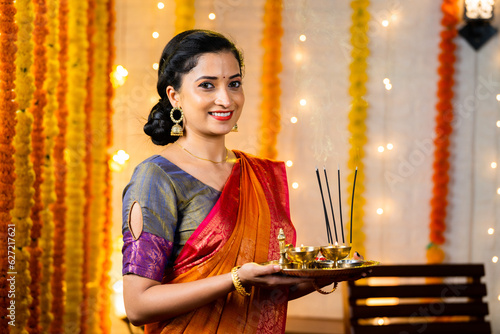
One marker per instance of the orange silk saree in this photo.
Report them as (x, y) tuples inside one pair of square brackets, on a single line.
[(242, 227)]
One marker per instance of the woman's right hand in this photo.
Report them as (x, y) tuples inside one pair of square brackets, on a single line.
[(265, 276)]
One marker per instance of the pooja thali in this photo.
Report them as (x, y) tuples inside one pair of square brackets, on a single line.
[(345, 270)]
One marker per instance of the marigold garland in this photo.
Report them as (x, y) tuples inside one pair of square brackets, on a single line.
[(48, 186), (98, 163), (184, 15), (357, 115), (87, 217), (21, 214), (8, 107), (444, 119), (37, 156), (75, 196), (271, 68), (104, 305), (59, 208)]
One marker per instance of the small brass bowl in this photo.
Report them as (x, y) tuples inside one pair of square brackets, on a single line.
[(335, 253), (350, 263), (324, 264), (303, 255)]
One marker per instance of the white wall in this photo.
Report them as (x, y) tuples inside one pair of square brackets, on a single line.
[(406, 52)]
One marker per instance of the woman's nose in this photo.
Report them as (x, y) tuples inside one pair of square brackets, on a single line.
[(223, 98)]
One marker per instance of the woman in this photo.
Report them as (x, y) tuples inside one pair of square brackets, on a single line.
[(197, 211)]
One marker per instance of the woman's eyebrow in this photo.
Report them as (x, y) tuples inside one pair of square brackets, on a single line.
[(206, 77)]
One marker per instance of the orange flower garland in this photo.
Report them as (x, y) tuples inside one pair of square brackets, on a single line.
[(444, 118), (48, 190), (8, 107), (97, 124), (59, 208), (108, 221), (184, 15), (271, 68), (37, 156), (87, 217), (21, 214)]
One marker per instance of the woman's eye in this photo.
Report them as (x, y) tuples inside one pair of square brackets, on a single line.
[(206, 85), (235, 84)]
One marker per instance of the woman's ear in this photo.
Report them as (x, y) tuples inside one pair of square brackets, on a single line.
[(173, 97)]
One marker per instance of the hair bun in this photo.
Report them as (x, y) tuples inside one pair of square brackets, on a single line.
[(157, 126)]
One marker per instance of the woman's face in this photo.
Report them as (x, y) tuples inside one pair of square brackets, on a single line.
[(211, 95)]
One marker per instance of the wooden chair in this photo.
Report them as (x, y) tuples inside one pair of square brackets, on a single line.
[(438, 298)]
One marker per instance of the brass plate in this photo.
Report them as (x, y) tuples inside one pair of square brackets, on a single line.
[(350, 270)]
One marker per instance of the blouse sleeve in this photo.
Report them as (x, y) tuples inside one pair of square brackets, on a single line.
[(147, 254)]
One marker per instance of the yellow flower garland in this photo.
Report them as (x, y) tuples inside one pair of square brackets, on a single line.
[(59, 208), (271, 68), (184, 15), (357, 115), (48, 187), (77, 74), (8, 107), (104, 300), (21, 214)]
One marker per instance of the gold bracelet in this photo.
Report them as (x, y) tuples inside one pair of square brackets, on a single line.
[(237, 283)]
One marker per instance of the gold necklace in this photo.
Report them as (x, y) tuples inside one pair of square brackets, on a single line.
[(215, 162)]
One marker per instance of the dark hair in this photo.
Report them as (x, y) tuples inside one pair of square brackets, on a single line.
[(179, 57)]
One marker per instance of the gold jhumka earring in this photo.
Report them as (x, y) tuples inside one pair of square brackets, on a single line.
[(235, 128), (176, 130)]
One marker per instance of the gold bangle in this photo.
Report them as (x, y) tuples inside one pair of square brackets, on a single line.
[(237, 283)]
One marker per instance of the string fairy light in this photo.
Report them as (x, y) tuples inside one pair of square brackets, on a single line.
[(119, 160), (119, 76)]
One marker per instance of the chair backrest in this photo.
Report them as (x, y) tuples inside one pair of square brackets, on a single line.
[(435, 298)]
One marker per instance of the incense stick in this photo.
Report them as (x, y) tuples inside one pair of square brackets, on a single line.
[(340, 208), (331, 205), (328, 231), (352, 201)]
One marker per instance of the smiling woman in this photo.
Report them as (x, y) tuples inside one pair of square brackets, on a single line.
[(198, 217)]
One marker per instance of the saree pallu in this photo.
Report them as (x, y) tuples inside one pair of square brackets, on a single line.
[(242, 227)]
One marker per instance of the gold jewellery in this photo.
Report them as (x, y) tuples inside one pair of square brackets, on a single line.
[(215, 162), (176, 130), (237, 283)]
